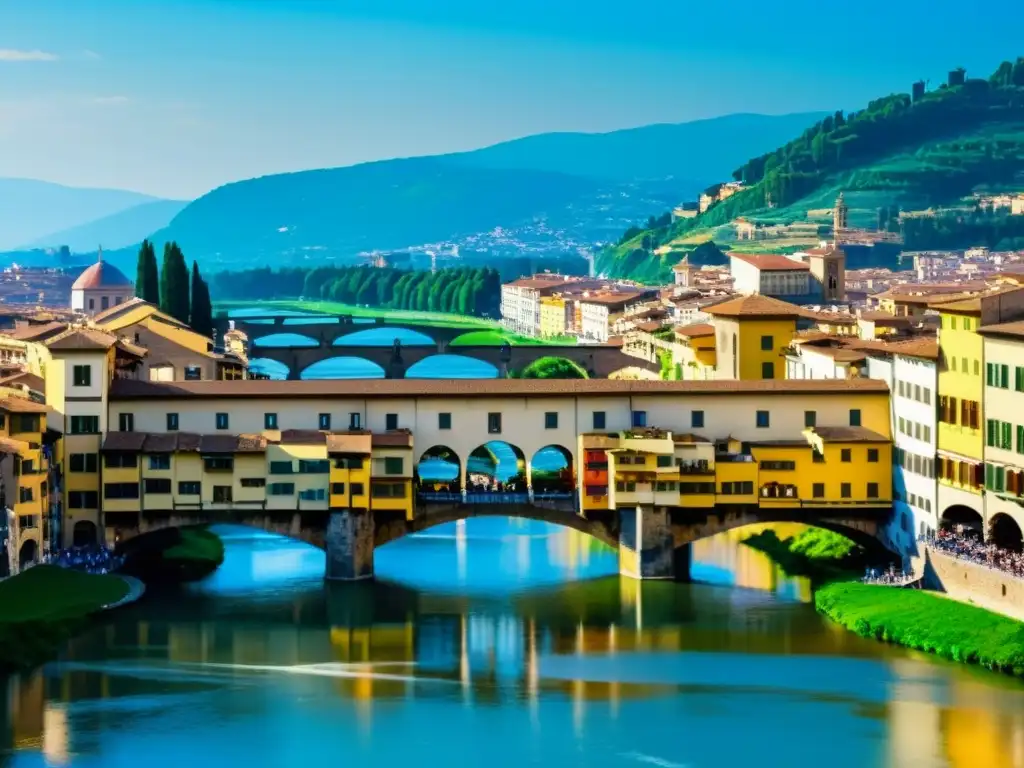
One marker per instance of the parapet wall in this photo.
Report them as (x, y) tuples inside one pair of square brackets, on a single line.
[(970, 583)]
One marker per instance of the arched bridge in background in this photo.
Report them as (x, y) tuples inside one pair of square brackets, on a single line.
[(300, 343)]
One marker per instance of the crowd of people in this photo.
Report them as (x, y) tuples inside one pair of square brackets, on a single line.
[(972, 549), (91, 559), (890, 577)]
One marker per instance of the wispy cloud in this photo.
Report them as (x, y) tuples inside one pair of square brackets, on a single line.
[(14, 54), (110, 100), (91, 55)]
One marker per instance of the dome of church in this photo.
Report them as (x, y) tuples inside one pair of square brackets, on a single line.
[(102, 274)]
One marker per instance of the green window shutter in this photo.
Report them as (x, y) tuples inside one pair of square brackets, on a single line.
[(989, 474), (1020, 439), (988, 374), (1004, 379), (1007, 436), (1000, 479), (990, 434), (1020, 379)]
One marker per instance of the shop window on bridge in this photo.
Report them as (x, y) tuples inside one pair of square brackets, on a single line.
[(281, 489), (639, 419), (270, 421), (599, 420), (872, 490), (738, 488), (625, 486), (222, 494), (551, 420), (189, 488), (157, 485), (172, 422), (26, 422), (393, 465), (596, 491), (121, 490), (444, 421), (253, 482), (24, 494), (494, 423), (313, 494), (83, 500), (126, 422), (338, 488), (665, 461), (219, 463), (697, 419), (160, 461), (781, 466), (356, 489), (120, 461), (693, 466), (348, 462), (84, 462), (388, 490), (666, 485), (324, 420), (314, 466), (692, 489), (845, 491), (390, 422), (818, 490)]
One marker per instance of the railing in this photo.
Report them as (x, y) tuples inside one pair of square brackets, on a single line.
[(492, 497)]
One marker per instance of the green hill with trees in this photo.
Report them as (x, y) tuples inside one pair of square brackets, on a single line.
[(901, 152)]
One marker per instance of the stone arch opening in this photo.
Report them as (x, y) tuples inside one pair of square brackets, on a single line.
[(285, 341), (28, 554), (496, 467), (439, 474), (552, 472), (384, 336), (84, 534), (450, 366), (961, 519), (343, 368), (1005, 533), (266, 366)]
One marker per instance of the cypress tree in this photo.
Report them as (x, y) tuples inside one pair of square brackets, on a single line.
[(147, 281), (201, 318), (174, 299)]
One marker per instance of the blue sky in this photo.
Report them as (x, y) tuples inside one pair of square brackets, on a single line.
[(174, 97)]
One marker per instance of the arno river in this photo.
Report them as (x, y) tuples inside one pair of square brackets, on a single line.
[(499, 643)]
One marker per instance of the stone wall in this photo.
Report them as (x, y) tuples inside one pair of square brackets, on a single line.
[(974, 584)]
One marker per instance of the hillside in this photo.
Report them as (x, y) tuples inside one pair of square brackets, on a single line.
[(902, 152), (119, 230), (549, 193), (34, 209)]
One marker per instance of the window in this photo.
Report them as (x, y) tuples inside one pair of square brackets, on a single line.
[(281, 467), (1018, 379), (855, 417), (281, 489), (763, 420), (599, 420), (390, 421), (818, 490), (160, 461), (252, 482), (767, 343), (84, 462), (739, 488), (356, 489), (665, 461), (218, 463), (697, 419), (82, 375), (121, 490), (810, 419), (104, 302), (349, 462), (85, 425), (270, 421), (314, 466), (172, 422), (222, 421), (872, 490), (494, 423), (189, 488), (222, 494), (126, 422), (1004, 376), (313, 494), (193, 373), (639, 419), (393, 465), (818, 458), (767, 370), (873, 455), (846, 455), (551, 420), (24, 494), (83, 500), (388, 490), (324, 421), (355, 421), (778, 465), (157, 485), (338, 488), (120, 461), (444, 421), (845, 491)]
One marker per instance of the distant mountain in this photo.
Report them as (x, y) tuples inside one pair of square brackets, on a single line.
[(118, 230), (583, 187), (30, 210), (701, 152)]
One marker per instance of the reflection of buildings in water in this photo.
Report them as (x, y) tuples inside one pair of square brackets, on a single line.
[(572, 550), (747, 567), (55, 734)]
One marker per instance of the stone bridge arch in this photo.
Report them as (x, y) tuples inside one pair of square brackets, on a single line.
[(863, 530)]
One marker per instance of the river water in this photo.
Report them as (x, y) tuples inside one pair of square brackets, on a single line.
[(499, 643)]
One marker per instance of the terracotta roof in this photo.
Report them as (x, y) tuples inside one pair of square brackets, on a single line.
[(161, 442), (848, 435), (755, 305), (132, 349), (130, 442), (20, 405), (839, 354), (81, 339), (689, 438), (303, 437), (37, 332), (1005, 330), (770, 262), (972, 304), (25, 378), (102, 274), (925, 348), (885, 319), (399, 438), (119, 309), (349, 442), (131, 389), (218, 443), (599, 440), (695, 330), (7, 445)]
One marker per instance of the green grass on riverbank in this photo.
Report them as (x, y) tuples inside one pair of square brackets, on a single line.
[(173, 556), (926, 622), (337, 308), (497, 338), (44, 606), (816, 553)]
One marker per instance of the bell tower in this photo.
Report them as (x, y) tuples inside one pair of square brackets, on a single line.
[(840, 220)]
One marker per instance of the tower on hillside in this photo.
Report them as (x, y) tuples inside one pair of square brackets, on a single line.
[(840, 219)]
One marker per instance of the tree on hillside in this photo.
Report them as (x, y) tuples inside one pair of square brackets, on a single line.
[(201, 316), (174, 287), (147, 279)]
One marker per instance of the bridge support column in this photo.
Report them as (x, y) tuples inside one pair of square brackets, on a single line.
[(349, 545), (646, 544)]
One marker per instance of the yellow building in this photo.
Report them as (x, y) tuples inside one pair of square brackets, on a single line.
[(552, 317), (24, 470), (752, 335), (694, 351)]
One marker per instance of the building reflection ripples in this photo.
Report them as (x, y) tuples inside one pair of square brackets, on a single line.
[(597, 644)]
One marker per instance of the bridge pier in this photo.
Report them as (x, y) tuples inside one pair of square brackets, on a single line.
[(646, 543), (349, 545)]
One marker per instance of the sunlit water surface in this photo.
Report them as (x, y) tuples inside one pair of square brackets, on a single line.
[(499, 643)]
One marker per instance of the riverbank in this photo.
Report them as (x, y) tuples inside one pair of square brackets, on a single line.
[(173, 556), (44, 606), (815, 553)]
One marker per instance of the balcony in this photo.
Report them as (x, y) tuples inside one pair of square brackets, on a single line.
[(696, 468)]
